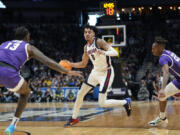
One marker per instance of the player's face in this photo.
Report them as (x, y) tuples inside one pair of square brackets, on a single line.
[(155, 50), (89, 34)]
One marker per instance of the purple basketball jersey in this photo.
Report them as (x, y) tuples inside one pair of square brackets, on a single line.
[(14, 53), (173, 61)]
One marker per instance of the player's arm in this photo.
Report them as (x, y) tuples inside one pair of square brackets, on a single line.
[(107, 50), (165, 70), (33, 52), (83, 63)]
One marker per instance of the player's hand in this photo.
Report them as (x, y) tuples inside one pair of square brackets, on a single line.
[(161, 94), (75, 73), (100, 52)]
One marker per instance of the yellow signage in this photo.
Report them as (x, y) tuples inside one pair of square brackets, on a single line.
[(110, 11), (109, 5)]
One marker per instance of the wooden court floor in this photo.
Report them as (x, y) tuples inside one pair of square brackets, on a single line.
[(49, 118)]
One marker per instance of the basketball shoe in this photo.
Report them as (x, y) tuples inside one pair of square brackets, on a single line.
[(158, 121), (127, 106), (71, 122), (10, 130)]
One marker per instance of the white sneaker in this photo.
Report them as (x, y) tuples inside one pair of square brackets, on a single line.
[(158, 121)]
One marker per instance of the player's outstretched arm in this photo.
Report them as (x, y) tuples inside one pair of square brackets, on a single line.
[(107, 50), (83, 63), (38, 55)]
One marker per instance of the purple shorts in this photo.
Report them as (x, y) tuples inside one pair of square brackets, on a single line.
[(176, 82), (9, 77)]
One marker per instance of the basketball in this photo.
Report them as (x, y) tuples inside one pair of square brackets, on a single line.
[(65, 64)]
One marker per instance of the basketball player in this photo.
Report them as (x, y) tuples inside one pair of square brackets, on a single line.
[(170, 63), (99, 52), (13, 55)]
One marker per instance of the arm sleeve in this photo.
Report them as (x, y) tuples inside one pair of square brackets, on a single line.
[(111, 52)]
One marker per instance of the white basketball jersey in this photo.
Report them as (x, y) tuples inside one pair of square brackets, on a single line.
[(100, 62)]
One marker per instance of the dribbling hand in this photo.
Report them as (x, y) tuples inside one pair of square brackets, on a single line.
[(75, 73)]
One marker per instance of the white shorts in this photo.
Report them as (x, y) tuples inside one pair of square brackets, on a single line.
[(104, 78), (170, 90)]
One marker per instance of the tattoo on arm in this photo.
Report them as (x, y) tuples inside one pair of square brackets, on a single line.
[(102, 44)]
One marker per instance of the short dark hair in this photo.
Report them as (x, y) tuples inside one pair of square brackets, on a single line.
[(91, 28), (21, 32), (161, 41)]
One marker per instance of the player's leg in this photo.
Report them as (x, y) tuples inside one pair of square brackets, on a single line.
[(170, 90), (85, 88), (162, 108), (23, 90), (23, 99), (105, 85)]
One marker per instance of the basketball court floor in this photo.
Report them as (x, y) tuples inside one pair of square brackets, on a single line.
[(49, 118)]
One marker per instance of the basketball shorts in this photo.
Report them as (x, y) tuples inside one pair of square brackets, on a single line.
[(10, 78), (104, 78), (171, 89)]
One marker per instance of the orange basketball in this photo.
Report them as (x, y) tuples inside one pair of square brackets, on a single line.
[(65, 64)]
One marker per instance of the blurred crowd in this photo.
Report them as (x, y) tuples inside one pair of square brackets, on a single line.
[(65, 41)]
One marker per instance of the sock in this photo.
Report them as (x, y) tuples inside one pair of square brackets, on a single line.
[(79, 100), (15, 120), (104, 102), (77, 107), (162, 115)]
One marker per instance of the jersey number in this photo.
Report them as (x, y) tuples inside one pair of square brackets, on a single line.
[(175, 57), (92, 56), (12, 46)]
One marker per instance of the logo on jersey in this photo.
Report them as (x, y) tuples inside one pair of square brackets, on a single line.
[(91, 51)]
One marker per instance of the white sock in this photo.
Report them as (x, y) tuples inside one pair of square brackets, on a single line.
[(77, 107), (104, 102), (79, 100), (15, 120), (162, 115)]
